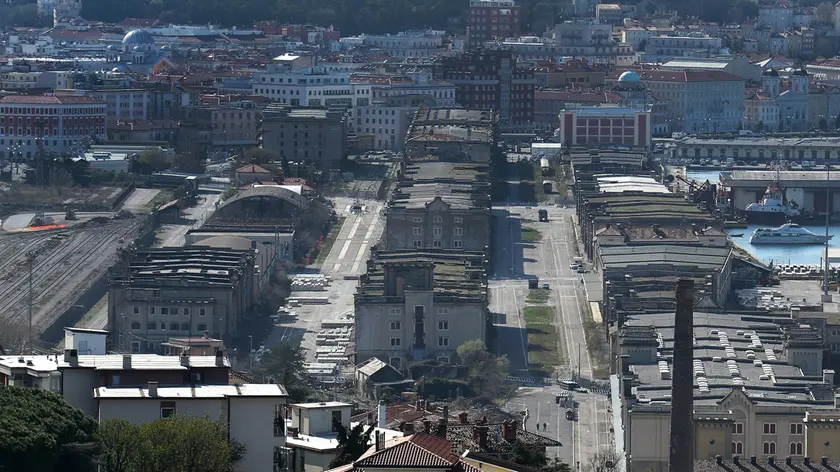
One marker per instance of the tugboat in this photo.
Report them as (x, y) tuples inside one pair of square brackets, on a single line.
[(772, 209), (786, 234)]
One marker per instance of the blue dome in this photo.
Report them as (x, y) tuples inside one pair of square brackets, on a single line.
[(138, 37), (629, 76)]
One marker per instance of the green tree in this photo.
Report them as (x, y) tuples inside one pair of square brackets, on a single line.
[(151, 161), (283, 364), (42, 433), (351, 445), (486, 371), (117, 440), (175, 444), (537, 459), (825, 13)]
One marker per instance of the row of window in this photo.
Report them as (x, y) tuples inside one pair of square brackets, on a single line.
[(153, 326), (440, 311), (437, 231), (710, 152), (769, 448), (442, 325), (443, 341), (438, 219), (770, 428), (457, 243), (169, 310)]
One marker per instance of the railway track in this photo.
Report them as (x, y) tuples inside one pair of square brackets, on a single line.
[(59, 267)]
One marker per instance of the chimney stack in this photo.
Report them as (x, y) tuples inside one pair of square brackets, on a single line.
[(682, 383), (381, 415), (126, 361), (185, 358), (153, 389), (427, 426), (220, 358), (441, 429), (463, 417)]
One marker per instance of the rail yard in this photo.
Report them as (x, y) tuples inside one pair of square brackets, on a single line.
[(64, 264)]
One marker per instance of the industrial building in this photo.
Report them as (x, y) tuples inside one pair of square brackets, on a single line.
[(806, 188), (443, 205), (316, 136), (453, 134), (765, 150), (155, 294), (604, 126), (420, 304), (759, 391)]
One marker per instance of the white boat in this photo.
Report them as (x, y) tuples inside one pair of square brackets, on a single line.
[(786, 234), (771, 208)]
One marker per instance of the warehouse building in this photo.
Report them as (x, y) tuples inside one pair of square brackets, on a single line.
[(452, 134), (806, 188)]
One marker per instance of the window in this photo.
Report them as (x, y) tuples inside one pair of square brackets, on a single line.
[(796, 448), (436, 243), (135, 325), (443, 341), (737, 448), (151, 325), (135, 347), (202, 326), (186, 311), (173, 310), (151, 310), (173, 326), (738, 428), (164, 310), (796, 428), (396, 362), (417, 243), (457, 244), (437, 231), (135, 310), (396, 311), (396, 326), (769, 447), (201, 312), (458, 231), (438, 219), (167, 409), (443, 325), (336, 419), (769, 428), (395, 342), (458, 220), (417, 230), (185, 326)]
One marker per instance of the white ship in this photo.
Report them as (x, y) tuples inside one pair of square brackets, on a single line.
[(786, 234), (771, 208)]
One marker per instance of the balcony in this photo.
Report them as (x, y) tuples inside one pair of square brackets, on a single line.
[(279, 427)]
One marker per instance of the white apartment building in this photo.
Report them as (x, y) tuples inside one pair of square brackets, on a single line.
[(121, 104), (534, 49), (666, 48), (637, 36), (253, 413), (696, 100), (777, 17), (29, 80), (407, 44), (310, 87)]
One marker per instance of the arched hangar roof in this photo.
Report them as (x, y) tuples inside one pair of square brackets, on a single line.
[(270, 192)]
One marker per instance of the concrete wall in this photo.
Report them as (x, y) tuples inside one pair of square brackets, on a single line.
[(314, 421), (252, 424), (473, 225), (463, 322), (77, 389)]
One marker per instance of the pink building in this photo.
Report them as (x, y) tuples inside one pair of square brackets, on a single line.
[(605, 126)]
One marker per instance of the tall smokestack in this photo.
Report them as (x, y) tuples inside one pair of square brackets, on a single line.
[(682, 385)]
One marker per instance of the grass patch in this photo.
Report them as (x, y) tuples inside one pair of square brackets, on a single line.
[(530, 235), (543, 353), (165, 196), (538, 295), (327, 244)]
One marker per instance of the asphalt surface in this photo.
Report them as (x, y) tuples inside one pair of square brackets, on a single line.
[(344, 263), (514, 262)]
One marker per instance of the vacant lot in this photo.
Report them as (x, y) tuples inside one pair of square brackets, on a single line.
[(537, 296), (543, 352)]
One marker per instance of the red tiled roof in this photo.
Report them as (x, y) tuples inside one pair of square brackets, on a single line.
[(418, 450), (682, 76), (50, 100)]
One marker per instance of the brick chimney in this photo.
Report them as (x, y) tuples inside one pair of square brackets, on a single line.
[(480, 435), (126, 361), (153, 386), (509, 431), (682, 384), (220, 358), (463, 417)]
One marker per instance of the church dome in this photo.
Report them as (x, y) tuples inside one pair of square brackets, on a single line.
[(629, 77), (138, 37)]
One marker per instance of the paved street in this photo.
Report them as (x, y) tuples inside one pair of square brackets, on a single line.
[(347, 258), (514, 262)]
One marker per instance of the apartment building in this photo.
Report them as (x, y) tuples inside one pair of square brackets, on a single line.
[(666, 48), (696, 101), (577, 73), (48, 80), (209, 291), (443, 205), (592, 41), (419, 44), (312, 135), (317, 86), (491, 80), (778, 17), (609, 13), (548, 104), (414, 304), (251, 413), (491, 19), (760, 390), (534, 50), (62, 122), (311, 442), (74, 376), (124, 104)]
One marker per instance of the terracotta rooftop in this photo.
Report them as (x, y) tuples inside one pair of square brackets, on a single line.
[(49, 100), (682, 76), (416, 451)]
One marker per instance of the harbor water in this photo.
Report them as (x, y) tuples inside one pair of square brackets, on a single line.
[(779, 254)]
